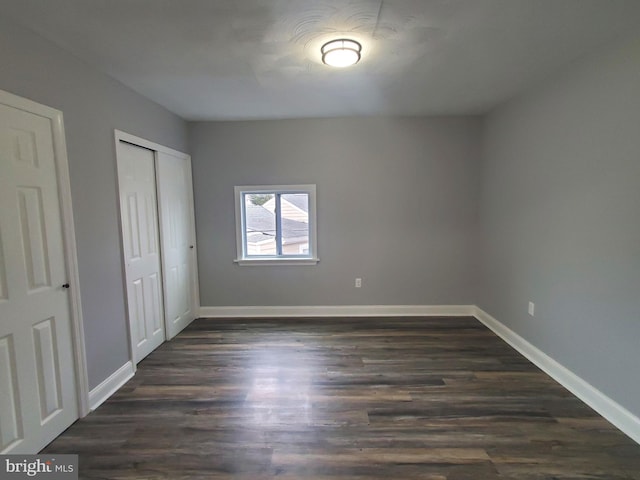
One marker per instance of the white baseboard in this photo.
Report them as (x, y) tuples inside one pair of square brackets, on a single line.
[(615, 413), (339, 311), (110, 385)]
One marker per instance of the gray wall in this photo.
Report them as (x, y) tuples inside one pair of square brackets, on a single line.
[(561, 219), (93, 105), (397, 206)]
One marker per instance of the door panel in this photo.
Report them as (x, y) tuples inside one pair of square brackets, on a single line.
[(10, 418), (178, 252), (47, 367), (136, 303), (137, 181), (33, 241), (37, 379)]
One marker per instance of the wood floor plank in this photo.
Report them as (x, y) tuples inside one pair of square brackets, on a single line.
[(345, 399)]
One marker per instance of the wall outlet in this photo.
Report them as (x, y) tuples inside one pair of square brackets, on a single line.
[(532, 308), (358, 282)]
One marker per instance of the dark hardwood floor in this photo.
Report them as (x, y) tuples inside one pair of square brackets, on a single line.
[(356, 399)]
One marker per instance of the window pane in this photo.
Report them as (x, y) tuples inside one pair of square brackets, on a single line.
[(260, 225), (294, 211)]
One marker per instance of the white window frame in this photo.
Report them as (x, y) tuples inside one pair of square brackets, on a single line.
[(243, 259)]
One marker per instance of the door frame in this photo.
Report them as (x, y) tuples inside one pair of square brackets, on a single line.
[(156, 148), (69, 238)]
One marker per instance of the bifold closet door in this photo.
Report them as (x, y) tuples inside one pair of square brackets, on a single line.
[(177, 240), (141, 245)]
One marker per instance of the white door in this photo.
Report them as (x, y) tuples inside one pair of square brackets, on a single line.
[(37, 377), (177, 235), (138, 208)]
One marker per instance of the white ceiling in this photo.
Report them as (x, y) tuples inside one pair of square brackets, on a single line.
[(246, 59)]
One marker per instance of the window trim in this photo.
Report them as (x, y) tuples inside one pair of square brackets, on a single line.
[(242, 258)]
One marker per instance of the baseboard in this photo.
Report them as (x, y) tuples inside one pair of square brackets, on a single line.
[(110, 385), (615, 413), (339, 311)]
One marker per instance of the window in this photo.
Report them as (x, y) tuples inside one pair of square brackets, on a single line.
[(276, 225)]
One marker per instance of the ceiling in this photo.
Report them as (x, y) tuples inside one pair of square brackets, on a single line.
[(255, 59)]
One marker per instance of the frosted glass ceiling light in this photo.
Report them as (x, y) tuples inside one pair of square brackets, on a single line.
[(341, 53)]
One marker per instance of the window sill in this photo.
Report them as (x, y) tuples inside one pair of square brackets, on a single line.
[(276, 261)]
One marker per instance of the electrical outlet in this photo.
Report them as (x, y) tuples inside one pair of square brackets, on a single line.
[(358, 282), (532, 308)]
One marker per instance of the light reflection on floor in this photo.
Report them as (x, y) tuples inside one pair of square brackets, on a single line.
[(281, 388)]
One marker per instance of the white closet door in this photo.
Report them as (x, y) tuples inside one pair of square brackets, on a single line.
[(37, 380), (137, 183), (177, 234)]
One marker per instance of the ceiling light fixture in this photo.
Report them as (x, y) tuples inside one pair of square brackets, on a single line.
[(341, 53)]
